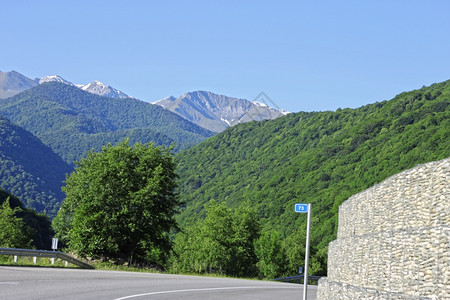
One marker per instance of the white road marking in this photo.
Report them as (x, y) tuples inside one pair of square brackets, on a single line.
[(9, 283), (200, 290)]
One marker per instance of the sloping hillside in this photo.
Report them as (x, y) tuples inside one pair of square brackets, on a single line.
[(72, 121), (30, 170), (321, 158)]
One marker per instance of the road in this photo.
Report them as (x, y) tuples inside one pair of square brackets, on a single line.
[(50, 283)]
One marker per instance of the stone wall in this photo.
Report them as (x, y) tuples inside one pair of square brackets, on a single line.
[(394, 239)]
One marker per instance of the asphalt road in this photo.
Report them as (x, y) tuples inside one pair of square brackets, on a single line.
[(49, 283)]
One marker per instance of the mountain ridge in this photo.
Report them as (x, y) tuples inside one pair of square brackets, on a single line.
[(12, 83), (211, 111), (95, 87), (72, 121), (218, 112)]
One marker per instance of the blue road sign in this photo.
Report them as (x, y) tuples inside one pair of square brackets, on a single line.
[(301, 207)]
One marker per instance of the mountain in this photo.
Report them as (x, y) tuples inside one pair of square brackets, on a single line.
[(208, 110), (72, 121), (30, 170), (56, 78), (218, 112), (12, 83), (95, 87), (318, 157), (99, 88)]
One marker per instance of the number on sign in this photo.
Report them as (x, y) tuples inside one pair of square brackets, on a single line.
[(301, 207)]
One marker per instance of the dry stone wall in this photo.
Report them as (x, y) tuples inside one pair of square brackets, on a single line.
[(393, 239)]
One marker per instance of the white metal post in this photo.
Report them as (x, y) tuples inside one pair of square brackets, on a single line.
[(305, 278)]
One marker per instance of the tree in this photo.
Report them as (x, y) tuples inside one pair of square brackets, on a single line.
[(271, 255), (36, 224), (294, 248), (246, 230), (120, 204), (206, 245), (221, 243), (13, 232)]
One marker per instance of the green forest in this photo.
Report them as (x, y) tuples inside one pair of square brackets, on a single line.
[(318, 157), (72, 121), (30, 170)]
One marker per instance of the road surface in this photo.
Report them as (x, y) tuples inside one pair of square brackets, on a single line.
[(50, 283)]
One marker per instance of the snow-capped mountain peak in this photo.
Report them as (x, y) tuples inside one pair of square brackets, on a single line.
[(260, 104), (95, 87), (218, 112), (52, 78)]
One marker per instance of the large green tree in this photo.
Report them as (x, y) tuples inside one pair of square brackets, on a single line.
[(120, 204)]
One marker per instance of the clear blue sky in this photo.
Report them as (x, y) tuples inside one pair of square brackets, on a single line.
[(305, 55)]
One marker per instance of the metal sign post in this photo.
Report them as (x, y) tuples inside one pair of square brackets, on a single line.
[(305, 208), (54, 244)]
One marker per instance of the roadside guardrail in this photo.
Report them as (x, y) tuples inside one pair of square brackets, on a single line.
[(45, 253), (298, 278)]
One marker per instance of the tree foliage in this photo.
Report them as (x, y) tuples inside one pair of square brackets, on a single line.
[(271, 255), (37, 225), (221, 243), (120, 204), (13, 231)]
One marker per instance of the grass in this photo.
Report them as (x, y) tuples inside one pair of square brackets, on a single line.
[(26, 261)]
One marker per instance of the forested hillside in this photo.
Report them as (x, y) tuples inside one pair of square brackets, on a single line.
[(72, 121), (30, 170), (318, 157)]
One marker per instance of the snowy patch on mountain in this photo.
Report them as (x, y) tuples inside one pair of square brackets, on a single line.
[(218, 112), (95, 87), (53, 78)]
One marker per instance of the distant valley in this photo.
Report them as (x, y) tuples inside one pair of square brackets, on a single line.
[(54, 120)]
